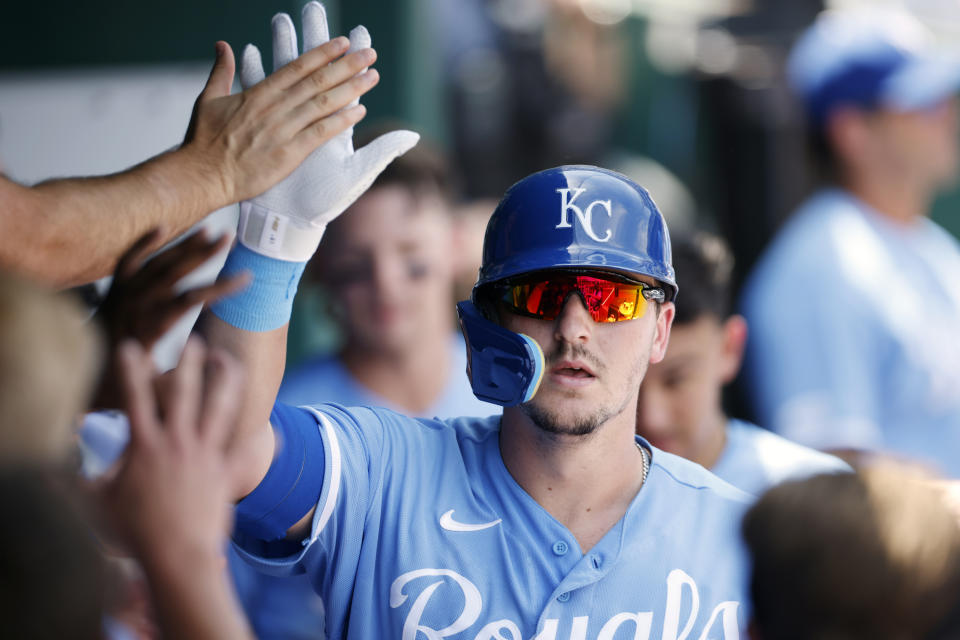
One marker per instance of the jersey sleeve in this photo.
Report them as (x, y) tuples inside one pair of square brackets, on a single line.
[(376, 463), (353, 451)]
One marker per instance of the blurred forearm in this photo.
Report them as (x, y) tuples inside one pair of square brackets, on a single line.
[(69, 231), (194, 597)]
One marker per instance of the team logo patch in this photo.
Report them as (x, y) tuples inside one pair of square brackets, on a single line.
[(585, 216)]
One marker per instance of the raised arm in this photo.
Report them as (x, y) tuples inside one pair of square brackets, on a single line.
[(280, 230), (68, 231)]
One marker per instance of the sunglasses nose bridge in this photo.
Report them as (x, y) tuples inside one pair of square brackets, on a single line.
[(577, 294), (575, 321)]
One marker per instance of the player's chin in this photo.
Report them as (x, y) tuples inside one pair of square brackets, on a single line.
[(565, 421)]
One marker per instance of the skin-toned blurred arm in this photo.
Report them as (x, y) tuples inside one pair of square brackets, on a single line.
[(69, 231)]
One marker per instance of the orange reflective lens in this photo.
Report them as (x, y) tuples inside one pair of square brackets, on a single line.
[(607, 299)]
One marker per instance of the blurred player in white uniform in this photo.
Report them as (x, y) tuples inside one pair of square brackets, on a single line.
[(854, 307), (680, 408)]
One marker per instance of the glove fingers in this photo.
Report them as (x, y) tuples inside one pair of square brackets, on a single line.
[(359, 39), (251, 67), (284, 40), (373, 158), (315, 30)]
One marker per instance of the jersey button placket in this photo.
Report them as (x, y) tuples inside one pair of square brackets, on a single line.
[(563, 597), (560, 548)]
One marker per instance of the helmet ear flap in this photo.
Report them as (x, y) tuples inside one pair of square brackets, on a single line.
[(504, 367)]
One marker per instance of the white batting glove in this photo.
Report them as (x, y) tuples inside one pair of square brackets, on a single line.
[(287, 221)]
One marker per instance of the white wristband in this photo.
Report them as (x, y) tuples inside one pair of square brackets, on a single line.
[(276, 235)]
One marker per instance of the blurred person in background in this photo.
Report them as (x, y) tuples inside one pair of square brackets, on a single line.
[(866, 555), (72, 230), (389, 266), (469, 223), (854, 307), (680, 407)]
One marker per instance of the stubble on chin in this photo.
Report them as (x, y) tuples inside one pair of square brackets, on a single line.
[(552, 423)]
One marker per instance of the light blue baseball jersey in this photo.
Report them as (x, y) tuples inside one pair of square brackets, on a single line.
[(421, 532), (755, 459), (287, 608), (855, 333)]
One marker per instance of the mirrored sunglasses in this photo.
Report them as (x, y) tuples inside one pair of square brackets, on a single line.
[(608, 298)]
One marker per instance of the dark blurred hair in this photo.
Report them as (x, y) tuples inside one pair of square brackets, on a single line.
[(52, 575), (704, 267), (869, 555)]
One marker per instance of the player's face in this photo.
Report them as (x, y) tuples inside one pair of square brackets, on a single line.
[(921, 143), (388, 265), (679, 407), (593, 369)]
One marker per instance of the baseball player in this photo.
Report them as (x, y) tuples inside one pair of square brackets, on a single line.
[(854, 307), (552, 520)]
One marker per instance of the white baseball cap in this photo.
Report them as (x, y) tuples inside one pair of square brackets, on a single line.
[(870, 58)]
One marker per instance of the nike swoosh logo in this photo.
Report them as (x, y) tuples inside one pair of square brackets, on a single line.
[(448, 523)]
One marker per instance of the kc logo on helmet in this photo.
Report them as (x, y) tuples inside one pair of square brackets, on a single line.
[(585, 216)]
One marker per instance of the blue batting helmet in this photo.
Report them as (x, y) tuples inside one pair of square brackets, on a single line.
[(579, 217), (569, 217)]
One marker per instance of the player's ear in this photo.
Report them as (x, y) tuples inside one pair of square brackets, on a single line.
[(662, 337), (848, 132), (734, 340)]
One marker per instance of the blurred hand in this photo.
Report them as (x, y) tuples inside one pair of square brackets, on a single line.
[(143, 302), (170, 499)]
